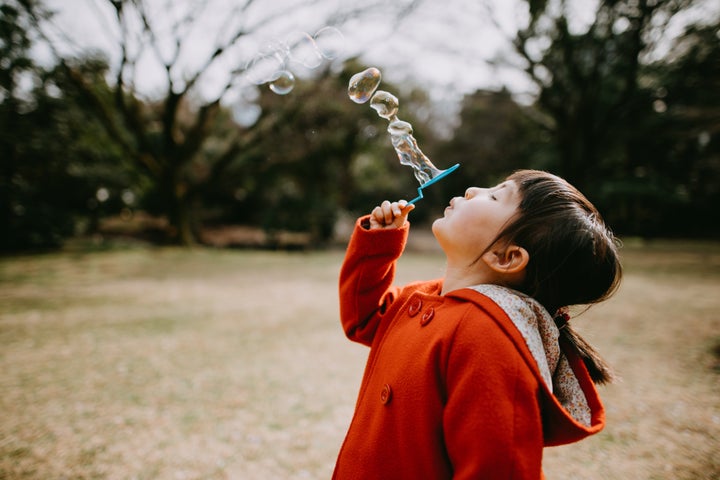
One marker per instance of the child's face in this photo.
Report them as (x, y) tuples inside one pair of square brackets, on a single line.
[(471, 222)]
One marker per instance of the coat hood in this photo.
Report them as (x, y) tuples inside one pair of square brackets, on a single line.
[(572, 409)]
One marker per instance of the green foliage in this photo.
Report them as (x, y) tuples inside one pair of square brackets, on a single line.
[(495, 137), (637, 138), (685, 129), (55, 158)]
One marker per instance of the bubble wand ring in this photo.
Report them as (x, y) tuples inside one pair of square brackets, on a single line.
[(440, 176)]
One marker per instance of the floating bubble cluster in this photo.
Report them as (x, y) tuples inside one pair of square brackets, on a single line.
[(363, 87), (274, 63)]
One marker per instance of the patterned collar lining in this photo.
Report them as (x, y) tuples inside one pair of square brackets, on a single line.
[(541, 336)]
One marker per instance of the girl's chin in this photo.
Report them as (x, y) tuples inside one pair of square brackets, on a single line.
[(437, 226)]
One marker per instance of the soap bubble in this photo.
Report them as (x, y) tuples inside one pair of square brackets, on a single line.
[(400, 127), (330, 42), (283, 83), (362, 85), (385, 104), (263, 68), (303, 50), (272, 62)]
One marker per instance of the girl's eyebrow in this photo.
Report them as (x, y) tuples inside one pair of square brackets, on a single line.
[(505, 189)]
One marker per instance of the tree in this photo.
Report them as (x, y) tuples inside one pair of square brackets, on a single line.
[(165, 134), (684, 126), (495, 136), (599, 103), (57, 170)]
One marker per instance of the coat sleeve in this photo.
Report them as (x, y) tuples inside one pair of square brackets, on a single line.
[(492, 420), (366, 279)]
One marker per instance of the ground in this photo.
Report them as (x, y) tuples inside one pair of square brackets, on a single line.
[(164, 363)]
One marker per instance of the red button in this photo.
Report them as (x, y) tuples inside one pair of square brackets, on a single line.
[(386, 394), (415, 307), (427, 316)]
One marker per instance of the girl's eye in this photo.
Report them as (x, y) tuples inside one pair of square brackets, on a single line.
[(493, 197)]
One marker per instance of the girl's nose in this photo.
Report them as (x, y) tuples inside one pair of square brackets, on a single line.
[(471, 192)]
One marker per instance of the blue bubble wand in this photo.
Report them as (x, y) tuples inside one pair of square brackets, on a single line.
[(440, 176)]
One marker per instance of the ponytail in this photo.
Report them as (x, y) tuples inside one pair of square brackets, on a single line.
[(600, 371)]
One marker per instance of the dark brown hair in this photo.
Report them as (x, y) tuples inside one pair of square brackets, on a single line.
[(573, 256)]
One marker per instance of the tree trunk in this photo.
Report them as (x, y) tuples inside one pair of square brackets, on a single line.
[(184, 217), (179, 207)]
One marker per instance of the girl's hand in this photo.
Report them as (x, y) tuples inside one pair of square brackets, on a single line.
[(390, 215)]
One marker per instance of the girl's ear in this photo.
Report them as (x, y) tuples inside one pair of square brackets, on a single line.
[(508, 260)]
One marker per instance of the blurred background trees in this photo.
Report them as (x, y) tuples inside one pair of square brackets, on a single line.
[(59, 167), (626, 112), (630, 111)]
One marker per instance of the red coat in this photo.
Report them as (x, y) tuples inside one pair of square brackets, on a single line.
[(450, 388)]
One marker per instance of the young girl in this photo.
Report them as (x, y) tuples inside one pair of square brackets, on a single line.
[(470, 376)]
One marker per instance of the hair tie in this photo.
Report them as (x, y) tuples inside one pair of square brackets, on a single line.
[(562, 318)]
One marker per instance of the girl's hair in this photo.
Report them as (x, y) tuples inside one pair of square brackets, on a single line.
[(573, 256)]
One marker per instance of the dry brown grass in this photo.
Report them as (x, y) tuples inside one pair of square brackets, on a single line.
[(206, 364)]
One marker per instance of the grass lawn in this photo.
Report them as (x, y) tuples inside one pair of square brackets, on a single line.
[(147, 363)]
